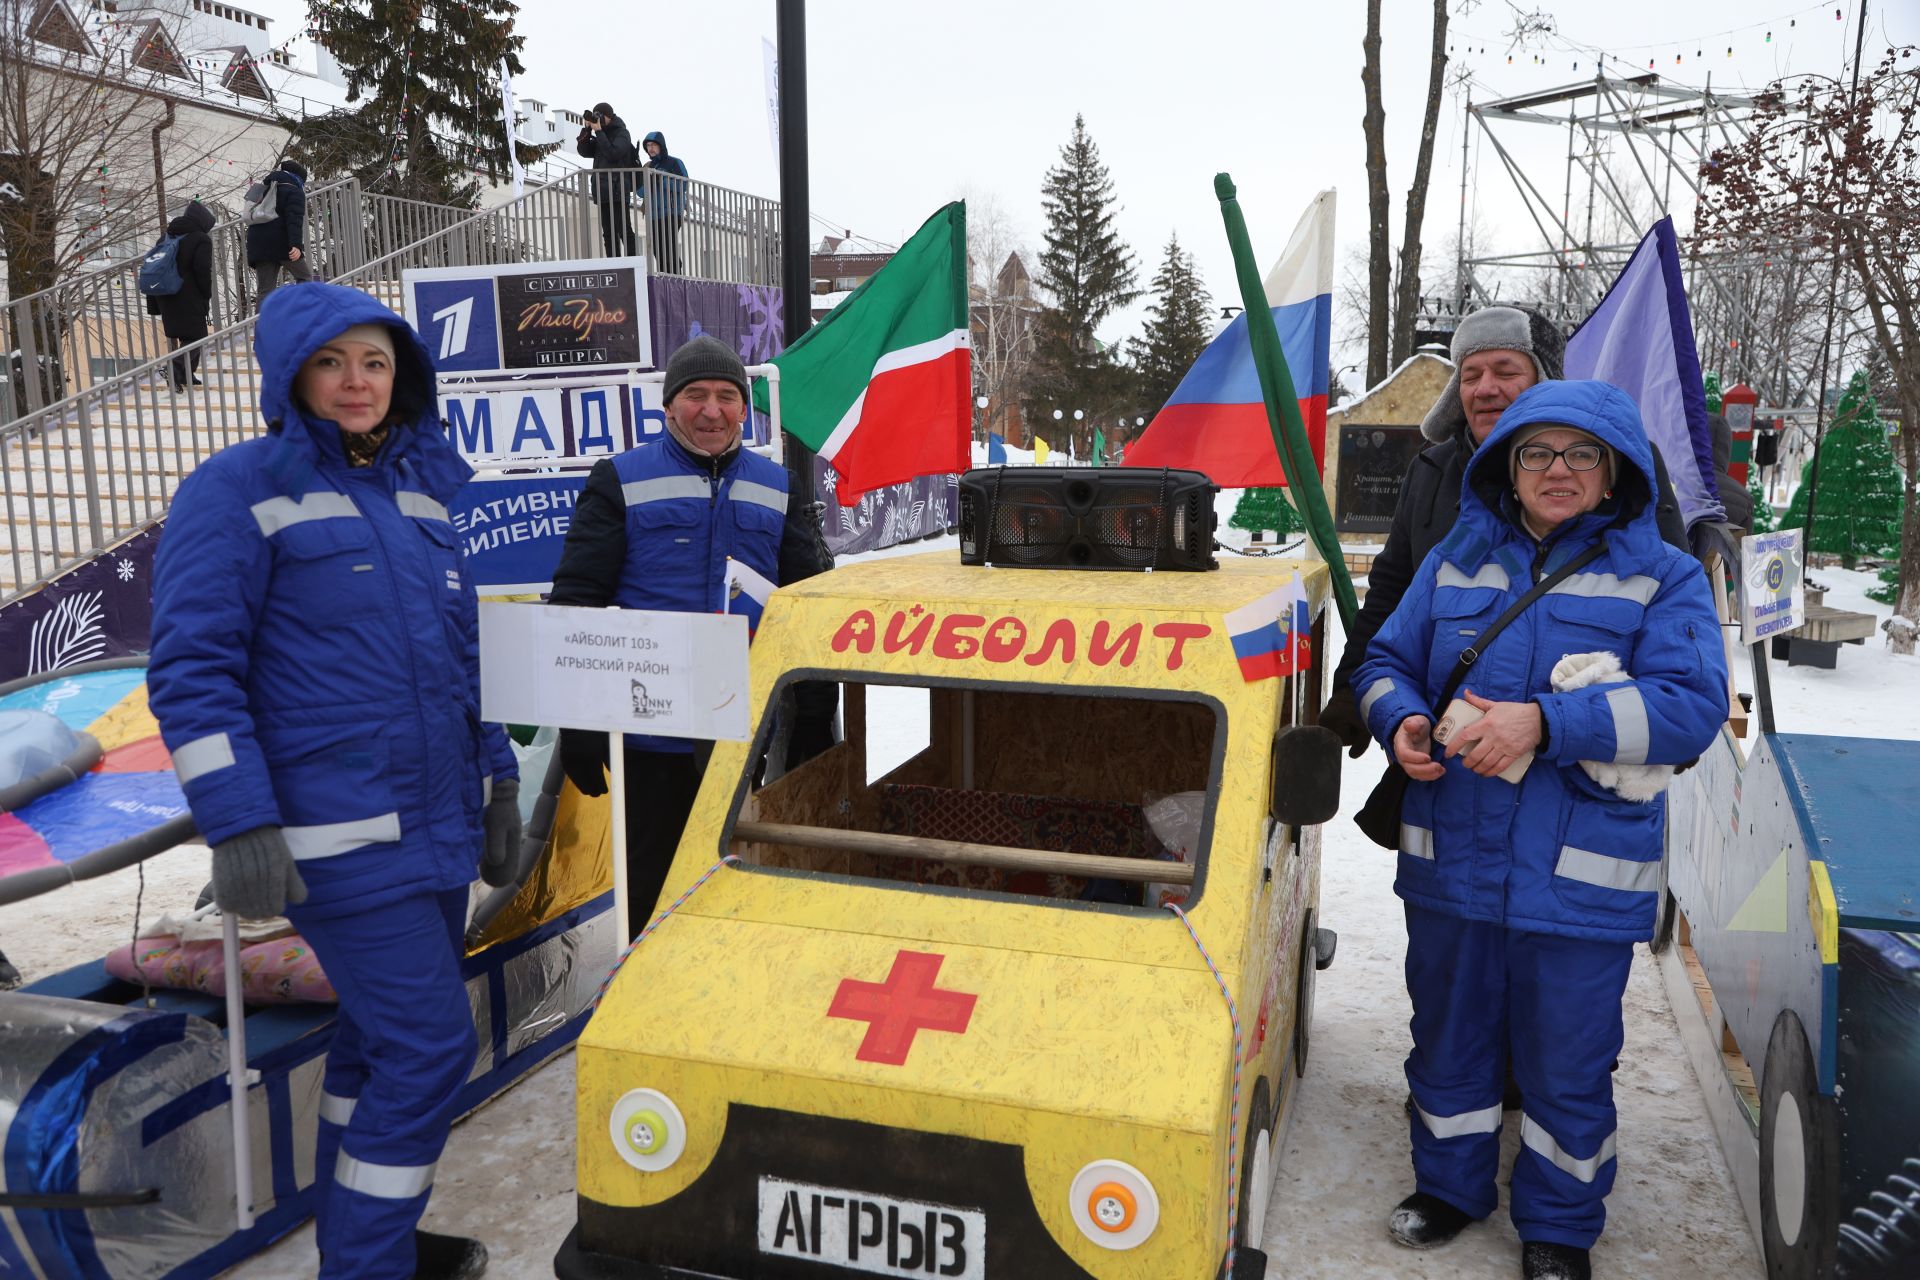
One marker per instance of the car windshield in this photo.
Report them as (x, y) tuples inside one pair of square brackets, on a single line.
[(1102, 798)]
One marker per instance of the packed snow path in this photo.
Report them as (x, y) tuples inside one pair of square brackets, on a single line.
[(508, 1172)]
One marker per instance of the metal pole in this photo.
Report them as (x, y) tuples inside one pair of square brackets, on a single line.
[(1460, 237), (796, 264), (237, 1075), (617, 819)]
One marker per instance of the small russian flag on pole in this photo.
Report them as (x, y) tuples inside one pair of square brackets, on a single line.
[(1270, 636)]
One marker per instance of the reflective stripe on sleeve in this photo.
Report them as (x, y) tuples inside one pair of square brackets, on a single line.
[(1607, 872), (335, 1109), (1639, 587), (1541, 1143), (1630, 735), (1416, 842), (420, 505), (328, 839), (486, 789), (1489, 574), (275, 514), (1485, 1120), (760, 495), (383, 1181), (1377, 690), (202, 756), (662, 488)]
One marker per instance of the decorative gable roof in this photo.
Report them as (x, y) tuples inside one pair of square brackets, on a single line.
[(53, 23), (242, 76), (155, 50)]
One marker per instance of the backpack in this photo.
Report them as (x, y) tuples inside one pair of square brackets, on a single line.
[(160, 269), (262, 202)]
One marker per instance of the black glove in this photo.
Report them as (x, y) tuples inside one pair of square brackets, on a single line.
[(253, 875), (502, 824), (583, 754), (1342, 715)]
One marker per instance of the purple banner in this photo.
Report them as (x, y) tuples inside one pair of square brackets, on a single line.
[(744, 316), (921, 508), (103, 609)]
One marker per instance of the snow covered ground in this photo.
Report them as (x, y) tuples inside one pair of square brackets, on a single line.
[(508, 1172)]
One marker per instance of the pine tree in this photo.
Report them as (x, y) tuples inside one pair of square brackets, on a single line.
[(1859, 506), (424, 93), (1179, 326), (1265, 508), (1089, 273)]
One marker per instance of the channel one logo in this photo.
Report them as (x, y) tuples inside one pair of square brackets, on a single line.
[(555, 320)]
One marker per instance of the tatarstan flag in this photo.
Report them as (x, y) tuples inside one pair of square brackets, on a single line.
[(883, 387)]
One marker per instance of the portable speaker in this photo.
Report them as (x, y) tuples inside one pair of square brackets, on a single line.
[(1087, 518)]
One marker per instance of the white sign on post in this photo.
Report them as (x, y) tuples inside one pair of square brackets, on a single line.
[(1774, 598), (676, 675)]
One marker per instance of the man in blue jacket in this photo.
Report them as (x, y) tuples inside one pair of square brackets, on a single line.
[(653, 530), (666, 201), (1524, 896), (281, 245), (315, 674)]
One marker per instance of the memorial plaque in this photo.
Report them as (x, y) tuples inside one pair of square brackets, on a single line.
[(1373, 462)]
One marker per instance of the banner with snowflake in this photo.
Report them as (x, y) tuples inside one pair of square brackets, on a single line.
[(888, 516), (103, 609)]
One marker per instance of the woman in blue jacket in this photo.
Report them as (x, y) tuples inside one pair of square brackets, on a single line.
[(315, 673), (1524, 899)]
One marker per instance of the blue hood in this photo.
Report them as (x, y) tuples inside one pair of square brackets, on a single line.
[(295, 321), (1597, 408)]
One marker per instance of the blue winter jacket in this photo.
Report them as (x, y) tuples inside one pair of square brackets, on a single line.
[(1557, 853), (315, 638), (686, 514)]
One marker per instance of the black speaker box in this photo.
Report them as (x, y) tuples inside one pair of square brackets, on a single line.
[(1133, 518)]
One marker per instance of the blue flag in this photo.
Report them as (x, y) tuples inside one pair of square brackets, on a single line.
[(996, 449), (1640, 338)]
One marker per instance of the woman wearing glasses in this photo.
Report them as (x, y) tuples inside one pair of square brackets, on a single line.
[(1527, 884)]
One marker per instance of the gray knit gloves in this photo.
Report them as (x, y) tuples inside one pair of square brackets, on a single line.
[(253, 875), (502, 856)]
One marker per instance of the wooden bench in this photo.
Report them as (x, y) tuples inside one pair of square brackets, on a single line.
[(1817, 641)]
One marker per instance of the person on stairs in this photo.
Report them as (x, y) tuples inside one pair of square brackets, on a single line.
[(183, 313)]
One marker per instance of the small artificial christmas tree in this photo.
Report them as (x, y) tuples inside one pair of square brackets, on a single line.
[(1762, 509), (1264, 509), (1859, 505)]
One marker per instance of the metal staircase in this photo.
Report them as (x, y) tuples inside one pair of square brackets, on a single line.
[(102, 441)]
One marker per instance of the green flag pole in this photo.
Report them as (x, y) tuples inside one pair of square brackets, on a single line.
[(1283, 404)]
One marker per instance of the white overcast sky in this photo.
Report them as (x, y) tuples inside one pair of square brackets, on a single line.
[(912, 103)]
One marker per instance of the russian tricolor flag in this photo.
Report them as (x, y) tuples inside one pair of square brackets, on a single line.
[(1216, 421), (1271, 636)]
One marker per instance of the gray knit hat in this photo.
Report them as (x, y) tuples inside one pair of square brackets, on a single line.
[(1495, 329), (704, 357)]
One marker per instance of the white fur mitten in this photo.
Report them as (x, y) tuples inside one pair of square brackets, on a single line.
[(1637, 783)]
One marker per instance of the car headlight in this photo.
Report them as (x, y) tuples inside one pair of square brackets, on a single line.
[(647, 1130), (1113, 1204)]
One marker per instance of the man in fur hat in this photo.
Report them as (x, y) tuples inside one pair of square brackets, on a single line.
[(1498, 352)]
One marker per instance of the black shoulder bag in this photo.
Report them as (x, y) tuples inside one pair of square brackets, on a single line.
[(1379, 818)]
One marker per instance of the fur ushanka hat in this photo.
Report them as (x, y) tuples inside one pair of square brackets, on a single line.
[(1495, 329)]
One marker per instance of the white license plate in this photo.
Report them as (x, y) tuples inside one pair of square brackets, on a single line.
[(866, 1232)]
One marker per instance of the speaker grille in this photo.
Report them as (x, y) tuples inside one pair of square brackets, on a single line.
[(1101, 518)]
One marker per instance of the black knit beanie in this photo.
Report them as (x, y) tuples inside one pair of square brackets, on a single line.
[(704, 357)]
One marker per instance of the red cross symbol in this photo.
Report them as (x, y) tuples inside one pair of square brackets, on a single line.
[(905, 1004)]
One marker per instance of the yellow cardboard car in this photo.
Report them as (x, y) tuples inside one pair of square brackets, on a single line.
[(934, 1020)]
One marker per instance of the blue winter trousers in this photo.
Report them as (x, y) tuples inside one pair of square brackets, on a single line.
[(402, 1047), (1482, 992)]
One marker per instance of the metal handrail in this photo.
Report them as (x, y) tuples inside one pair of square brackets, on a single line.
[(82, 473)]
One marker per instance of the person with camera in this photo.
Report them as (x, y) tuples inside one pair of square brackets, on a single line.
[(604, 140)]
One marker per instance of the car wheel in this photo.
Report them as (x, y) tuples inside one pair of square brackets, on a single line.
[(1799, 1159), (1303, 994), (1256, 1171)]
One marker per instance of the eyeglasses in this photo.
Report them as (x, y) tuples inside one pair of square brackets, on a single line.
[(1579, 457)]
